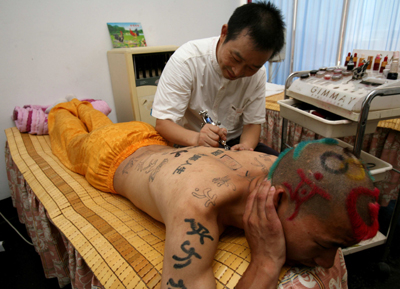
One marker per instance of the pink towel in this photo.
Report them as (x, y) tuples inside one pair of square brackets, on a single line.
[(33, 119)]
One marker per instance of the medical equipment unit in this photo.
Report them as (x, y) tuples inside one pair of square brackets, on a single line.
[(346, 101), (135, 73)]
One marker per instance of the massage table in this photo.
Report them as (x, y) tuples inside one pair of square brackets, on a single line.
[(93, 239)]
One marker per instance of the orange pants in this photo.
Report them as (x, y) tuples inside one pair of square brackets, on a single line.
[(87, 142)]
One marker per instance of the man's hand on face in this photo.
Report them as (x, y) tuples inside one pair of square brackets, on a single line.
[(263, 229), (210, 135)]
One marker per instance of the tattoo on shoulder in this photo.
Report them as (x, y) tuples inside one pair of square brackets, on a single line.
[(265, 157), (205, 195), (224, 181), (261, 165), (179, 284), (230, 162)]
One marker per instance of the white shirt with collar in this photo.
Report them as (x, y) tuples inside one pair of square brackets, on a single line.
[(192, 81)]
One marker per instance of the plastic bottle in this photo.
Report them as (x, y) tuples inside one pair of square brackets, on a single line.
[(347, 59), (395, 63), (383, 65), (355, 58), (394, 67), (370, 62), (360, 62), (377, 62)]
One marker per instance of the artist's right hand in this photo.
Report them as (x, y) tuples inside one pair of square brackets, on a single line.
[(210, 135)]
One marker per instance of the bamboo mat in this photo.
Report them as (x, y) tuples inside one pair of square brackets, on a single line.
[(271, 104), (122, 245)]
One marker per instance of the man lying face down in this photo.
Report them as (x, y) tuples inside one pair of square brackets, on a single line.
[(298, 208)]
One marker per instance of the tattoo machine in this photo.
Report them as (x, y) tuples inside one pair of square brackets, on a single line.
[(207, 119)]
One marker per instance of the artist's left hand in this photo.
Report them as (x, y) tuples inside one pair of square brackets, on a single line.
[(241, 147)]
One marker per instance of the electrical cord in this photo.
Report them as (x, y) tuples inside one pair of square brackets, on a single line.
[(16, 230)]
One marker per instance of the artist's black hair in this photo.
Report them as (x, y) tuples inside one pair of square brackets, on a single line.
[(265, 25)]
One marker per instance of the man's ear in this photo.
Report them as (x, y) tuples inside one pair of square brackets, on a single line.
[(280, 196), (224, 31)]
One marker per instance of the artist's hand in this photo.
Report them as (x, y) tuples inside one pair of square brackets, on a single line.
[(241, 147), (210, 135), (263, 229)]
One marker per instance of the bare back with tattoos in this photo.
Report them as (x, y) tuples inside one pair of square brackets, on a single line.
[(196, 192)]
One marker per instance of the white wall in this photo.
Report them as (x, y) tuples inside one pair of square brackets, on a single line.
[(52, 48)]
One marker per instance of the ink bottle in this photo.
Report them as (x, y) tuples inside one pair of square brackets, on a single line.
[(370, 62), (377, 62), (350, 65), (347, 59), (355, 58), (383, 65)]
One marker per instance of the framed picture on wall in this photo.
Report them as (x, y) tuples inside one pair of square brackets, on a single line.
[(129, 34)]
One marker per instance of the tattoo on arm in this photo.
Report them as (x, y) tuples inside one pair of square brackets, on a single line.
[(198, 229), (182, 262), (206, 194), (172, 283), (189, 253)]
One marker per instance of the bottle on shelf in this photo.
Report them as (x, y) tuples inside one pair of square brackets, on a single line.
[(377, 62), (360, 61), (347, 59), (370, 62), (355, 58), (383, 65), (350, 64), (394, 67)]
